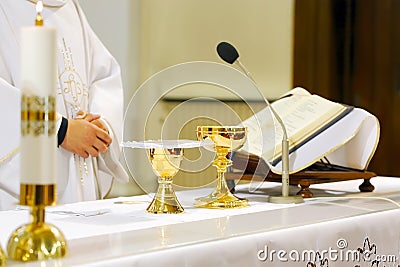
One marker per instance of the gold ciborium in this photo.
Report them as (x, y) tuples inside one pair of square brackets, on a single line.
[(166, 163), (226, 139)]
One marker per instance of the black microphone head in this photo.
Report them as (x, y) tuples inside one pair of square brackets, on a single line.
[(227, 52)]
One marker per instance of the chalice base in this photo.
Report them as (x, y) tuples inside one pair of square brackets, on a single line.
[(158, 206), (34, 242), (165, 201), (218, 200)]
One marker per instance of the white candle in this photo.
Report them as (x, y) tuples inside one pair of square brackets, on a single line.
[(38, 90)]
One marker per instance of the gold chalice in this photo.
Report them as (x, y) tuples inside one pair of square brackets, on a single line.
[(166, 163), (165, 157), (226, 139)]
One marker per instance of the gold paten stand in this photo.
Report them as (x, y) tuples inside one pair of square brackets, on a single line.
[(37, 240)]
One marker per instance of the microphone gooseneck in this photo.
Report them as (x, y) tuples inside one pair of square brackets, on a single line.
[(229, 54)]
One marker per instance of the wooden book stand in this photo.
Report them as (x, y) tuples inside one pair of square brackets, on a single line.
[(254, 168)]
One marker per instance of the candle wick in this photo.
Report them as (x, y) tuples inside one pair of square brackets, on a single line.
[(39, 20)]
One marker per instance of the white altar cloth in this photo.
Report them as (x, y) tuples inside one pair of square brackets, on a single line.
[(339, 227)]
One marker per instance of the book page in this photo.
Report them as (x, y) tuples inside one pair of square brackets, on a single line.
[(302, 114)]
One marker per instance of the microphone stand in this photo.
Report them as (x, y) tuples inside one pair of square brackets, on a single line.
[(284, 198)]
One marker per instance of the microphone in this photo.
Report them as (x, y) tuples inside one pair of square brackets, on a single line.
[(229, 54)]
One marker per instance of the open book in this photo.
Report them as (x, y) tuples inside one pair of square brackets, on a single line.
[(317, 128)]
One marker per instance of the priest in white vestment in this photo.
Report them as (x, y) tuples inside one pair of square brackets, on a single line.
[(89, 82)]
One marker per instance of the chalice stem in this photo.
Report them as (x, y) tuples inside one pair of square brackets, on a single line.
[(165, 193)]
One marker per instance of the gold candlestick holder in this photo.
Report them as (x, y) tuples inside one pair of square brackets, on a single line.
[(226, 139), (37, 240)]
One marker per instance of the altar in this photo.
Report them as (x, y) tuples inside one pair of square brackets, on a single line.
[(338, 227)]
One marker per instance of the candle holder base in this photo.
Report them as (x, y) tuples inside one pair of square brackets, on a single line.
[(33, 242), (36, 240)]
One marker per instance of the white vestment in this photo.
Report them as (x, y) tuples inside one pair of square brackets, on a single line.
[(88, 79)]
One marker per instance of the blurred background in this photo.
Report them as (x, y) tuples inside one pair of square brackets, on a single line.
[(344, 50)]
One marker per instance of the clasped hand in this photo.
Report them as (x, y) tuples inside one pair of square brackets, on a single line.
[(86, 135)]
